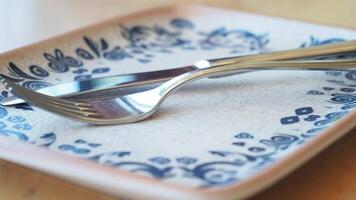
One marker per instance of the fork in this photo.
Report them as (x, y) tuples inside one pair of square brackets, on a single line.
[(141, 105), (123, 84)]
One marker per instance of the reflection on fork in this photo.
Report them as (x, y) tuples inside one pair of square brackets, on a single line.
[(141, 105)]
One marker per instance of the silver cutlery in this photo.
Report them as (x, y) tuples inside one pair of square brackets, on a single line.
[(129, 83), (107, 86), (141, 105)]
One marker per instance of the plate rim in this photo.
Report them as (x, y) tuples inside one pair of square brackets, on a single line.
[(116, 180)]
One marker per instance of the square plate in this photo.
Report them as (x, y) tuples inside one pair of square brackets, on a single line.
[(220, 139)]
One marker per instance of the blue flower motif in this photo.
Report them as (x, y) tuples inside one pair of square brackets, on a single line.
[(116, 54), (74, 149), (182, 23), (236, 40), (186, 160), (311, 118), (323, 122), (336, 115), (4, 94), (280, 140), (94, 145), (16, 119), (244, 135), (121, 153), (61, 63), (18, 134), (331, 117), (351, 75), (333, 73), (3, 112), (312, 132), (216, 173), (241, 144), (343, 98), (347, 89), (35, 85), (80, 141), (86, 76), (46, 140), (222, 153), (82, 77), (313, 41), (304, 111), (256, 149), (84, 142), (328, 88), (23, 127), (101, 49), (2, 125), (100, 70), (79, 71), (315, 130), (17, 72), (160, 160), (289, 120), (152, 38), (348, 106), (38, 71), (314, 92)]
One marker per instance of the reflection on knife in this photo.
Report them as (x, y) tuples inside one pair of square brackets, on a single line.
[(106, 87), (79, 88)]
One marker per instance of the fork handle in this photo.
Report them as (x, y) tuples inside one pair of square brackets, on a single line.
[(337, 64), (320, 51), (206, 70)]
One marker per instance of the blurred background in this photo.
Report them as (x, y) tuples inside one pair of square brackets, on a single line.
[(25, 21)]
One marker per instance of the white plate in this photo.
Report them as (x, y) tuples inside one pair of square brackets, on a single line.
[(215, 139)]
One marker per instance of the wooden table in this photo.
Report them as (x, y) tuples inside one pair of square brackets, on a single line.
[(330, 175)]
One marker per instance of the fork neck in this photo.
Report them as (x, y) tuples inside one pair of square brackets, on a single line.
[(206, 70), (227, 66)]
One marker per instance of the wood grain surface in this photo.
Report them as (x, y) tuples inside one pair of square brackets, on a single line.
[(330, 175)]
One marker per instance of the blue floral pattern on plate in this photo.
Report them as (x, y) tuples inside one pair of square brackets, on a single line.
[(246, 154)]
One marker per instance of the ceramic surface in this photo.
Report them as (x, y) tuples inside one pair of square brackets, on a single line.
[(214, 133)]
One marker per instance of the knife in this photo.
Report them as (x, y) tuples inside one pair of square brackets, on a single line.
[(107, 87)]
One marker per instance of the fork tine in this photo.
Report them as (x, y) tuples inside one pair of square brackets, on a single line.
[(60, 103), (47, 104), (55, 100), (7, 81), (66, 113), (56, 109), (61, 110), (71, 110)]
